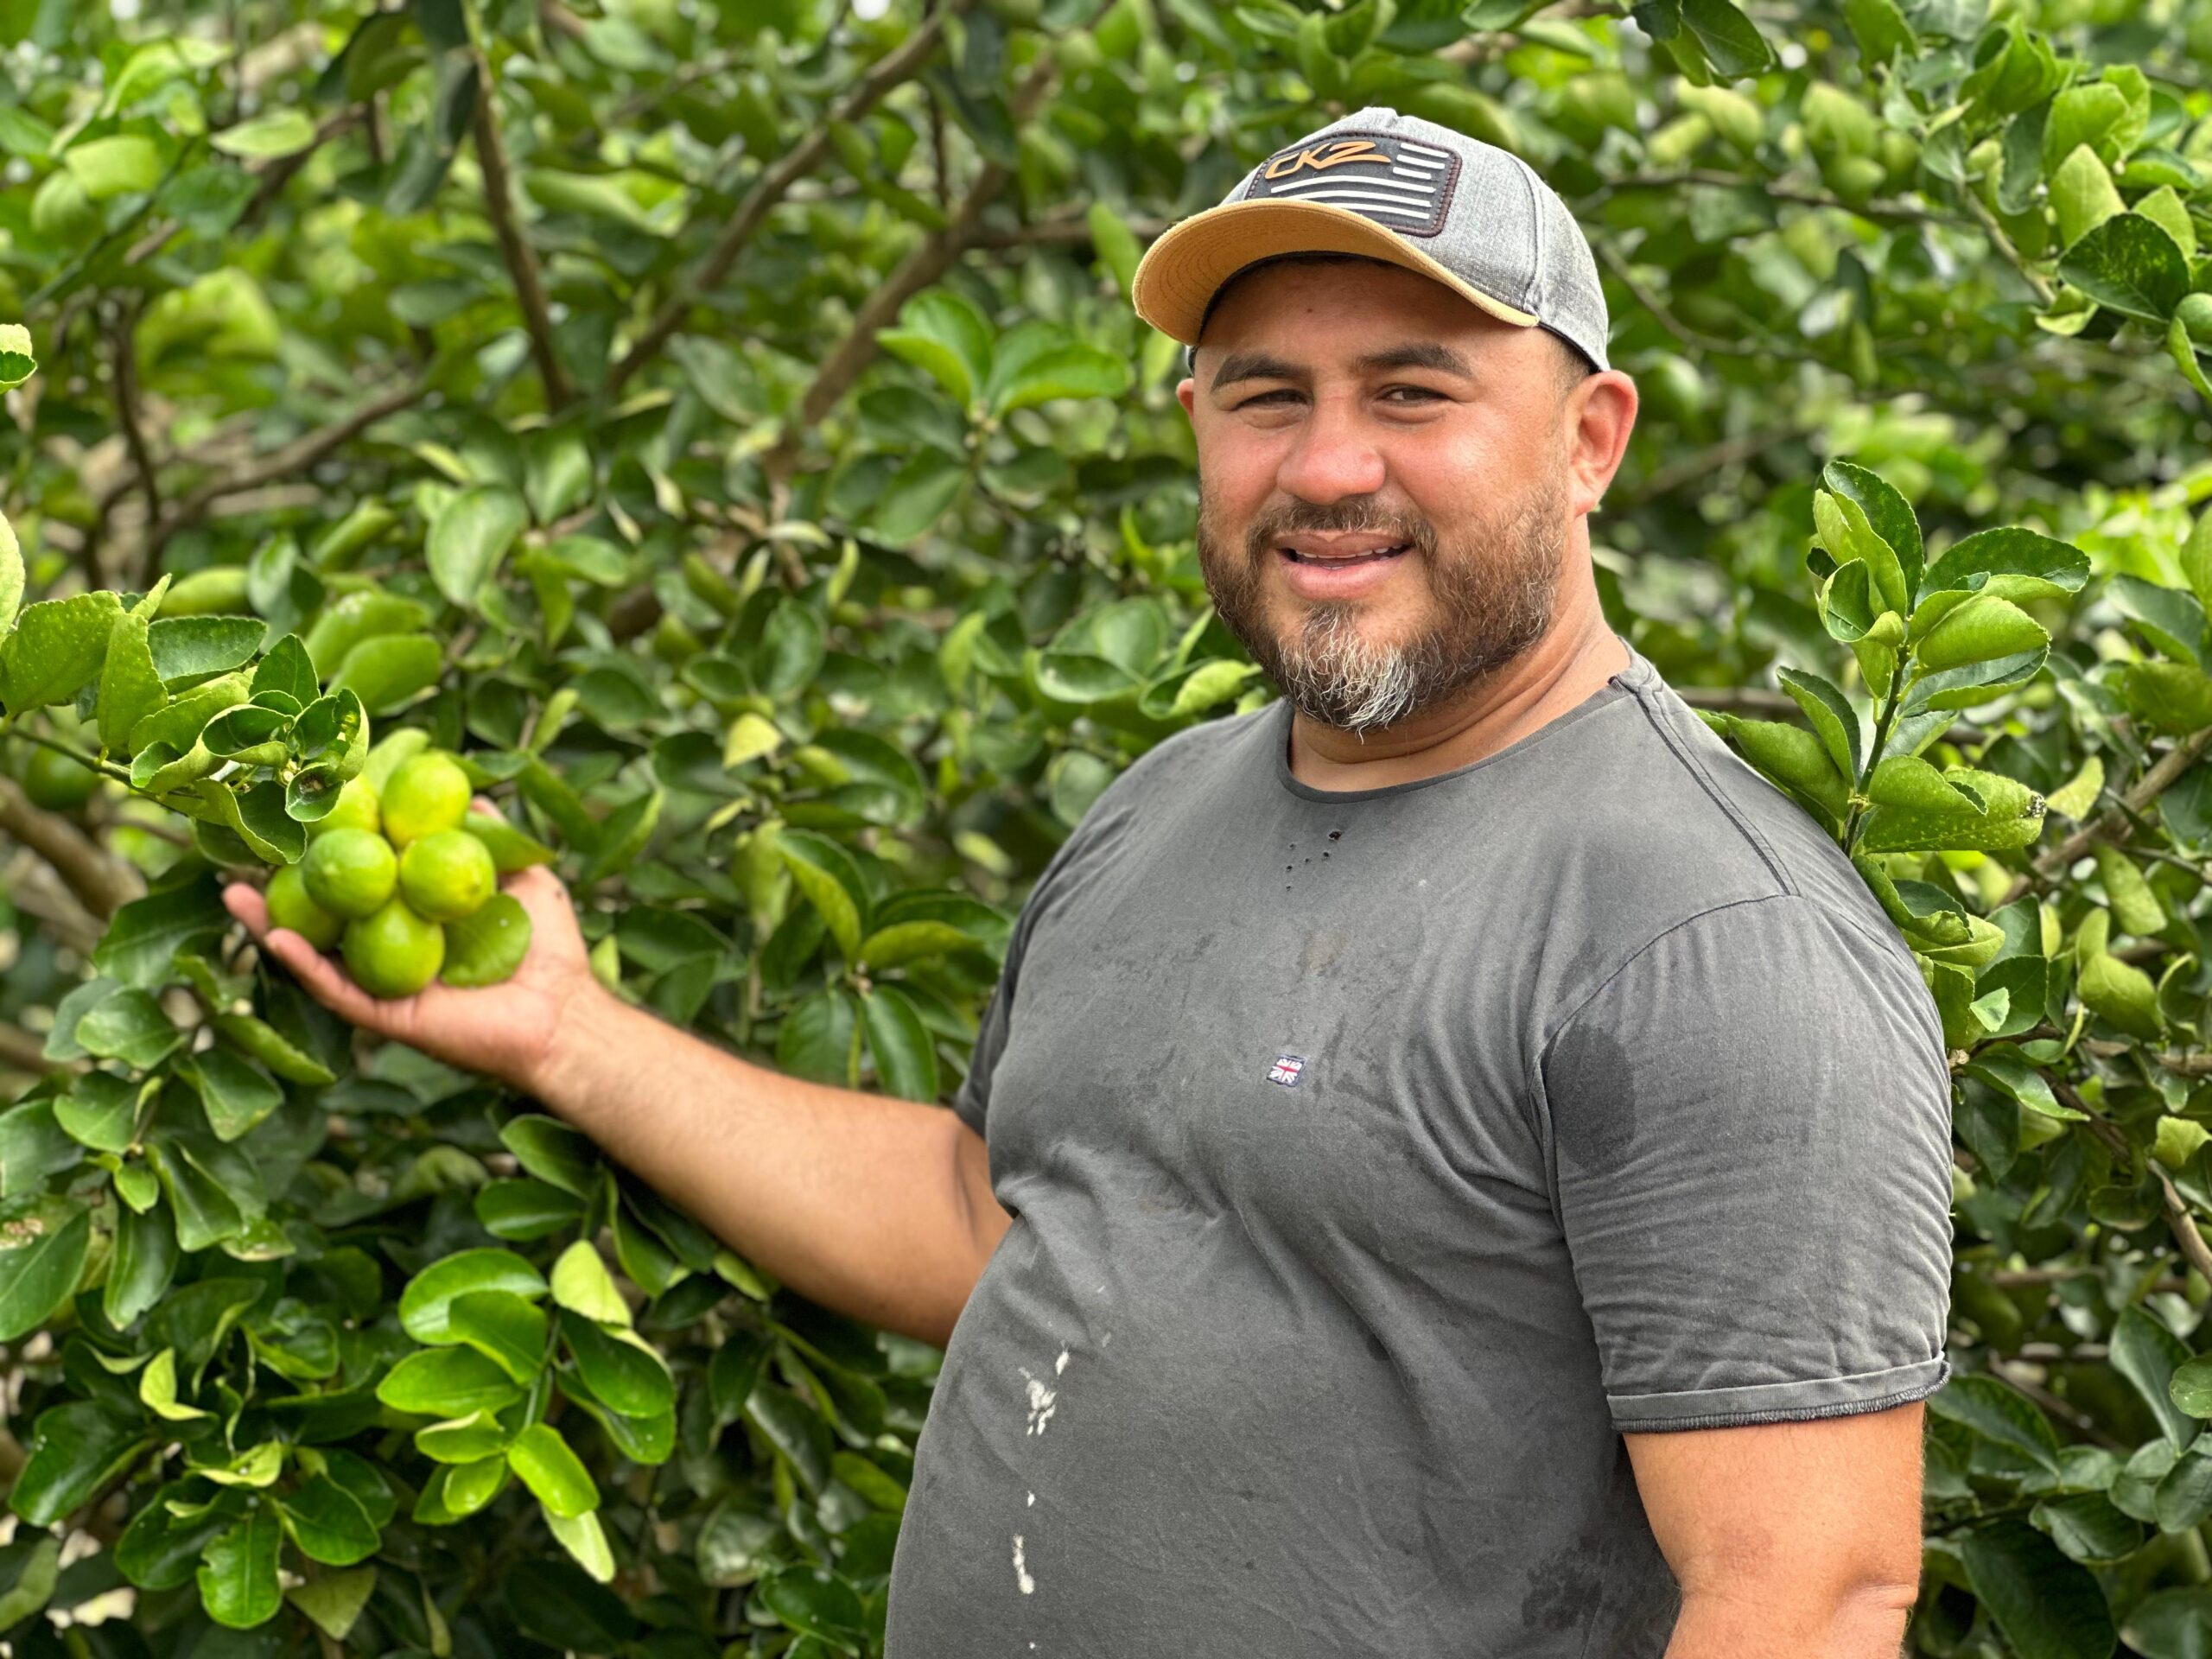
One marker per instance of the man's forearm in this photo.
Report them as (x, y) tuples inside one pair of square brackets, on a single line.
[(1785, 1623), (876, 1207)]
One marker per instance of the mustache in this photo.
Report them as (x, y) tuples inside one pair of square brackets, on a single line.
[(1356, 516)]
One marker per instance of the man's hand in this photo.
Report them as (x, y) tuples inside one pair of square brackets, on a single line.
[(507, 1031), (879, 1208)]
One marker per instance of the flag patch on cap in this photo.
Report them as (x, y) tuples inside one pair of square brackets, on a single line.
[(1395, 181)]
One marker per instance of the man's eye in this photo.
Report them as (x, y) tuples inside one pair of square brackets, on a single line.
[(1261, 398), (1421, 393)]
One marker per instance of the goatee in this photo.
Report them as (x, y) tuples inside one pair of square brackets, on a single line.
[(1491, 598)]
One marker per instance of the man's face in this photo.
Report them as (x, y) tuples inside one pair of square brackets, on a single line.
[(1383, 487)]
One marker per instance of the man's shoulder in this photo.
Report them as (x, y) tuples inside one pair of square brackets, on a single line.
[(1671, 823)]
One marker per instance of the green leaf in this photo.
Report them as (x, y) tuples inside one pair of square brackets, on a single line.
[(2128, 263), (1073, 370), (942, 333), (75, 1450), (427, 1301), (329, 1523), (235, 1094), (238, 1577), (43, 1240), (196, 648), (1114, 243), (1833, 718), (157, 1389), (334, 1601), (129, 1027), (36, 1564), (1732, 45), (905, 1055), (144, 1264), (1982, 630), (389, 670), (585, 1539), (827, 875), (131, 684), (11, 588), (520, 1211), (2047, 1606), (2170, 1625), (556, 1476), (100, 1111), (18, 362), (502, 1327), (617, 1367), (446, 1382), (814, 1601), (1999, 1413), (57, 649), (279, 132), (469, 539), (34, 1146), (511, 848), (582, 1283), (119, 165), (2082, 195), (917, 496), (551, 1151)]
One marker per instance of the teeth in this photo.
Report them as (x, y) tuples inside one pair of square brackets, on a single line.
[(1345, 559)]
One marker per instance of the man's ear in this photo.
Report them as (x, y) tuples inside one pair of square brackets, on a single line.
[(1600, 414), (1187, 393)]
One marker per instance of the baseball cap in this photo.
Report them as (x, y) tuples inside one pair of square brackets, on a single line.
[(1397, 189)]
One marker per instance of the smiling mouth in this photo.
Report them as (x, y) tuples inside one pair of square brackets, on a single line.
[(1296, 557)]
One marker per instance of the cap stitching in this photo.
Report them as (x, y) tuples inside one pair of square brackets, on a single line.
[(1535, 211)]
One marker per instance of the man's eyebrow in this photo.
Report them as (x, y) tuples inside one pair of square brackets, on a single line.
[(1255, 366), (1416, 354)]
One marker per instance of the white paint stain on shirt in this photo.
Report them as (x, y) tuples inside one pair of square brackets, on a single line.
[(1041, 1403), (1061, 1363), (1021, 1571)]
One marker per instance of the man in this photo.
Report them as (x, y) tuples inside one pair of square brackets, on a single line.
[(1457, 1164)]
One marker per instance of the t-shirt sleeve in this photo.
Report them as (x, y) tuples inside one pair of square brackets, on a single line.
[(1750, 1150)]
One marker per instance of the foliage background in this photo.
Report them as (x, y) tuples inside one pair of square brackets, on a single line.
[(725, 423)]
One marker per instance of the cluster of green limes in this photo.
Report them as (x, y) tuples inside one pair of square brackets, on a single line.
[(385, 872)]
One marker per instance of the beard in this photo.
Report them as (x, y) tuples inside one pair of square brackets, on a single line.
[(1492, 598)]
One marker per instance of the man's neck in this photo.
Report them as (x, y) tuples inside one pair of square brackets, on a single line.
[(1578, 655)]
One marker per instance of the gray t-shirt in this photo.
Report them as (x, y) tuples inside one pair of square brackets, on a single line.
[(1377, 1158)]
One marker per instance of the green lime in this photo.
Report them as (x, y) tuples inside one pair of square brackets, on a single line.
[(425, 795), (56, 782), (447, 874), (355, 809), (395, 952), (350, 872), (290, 907)]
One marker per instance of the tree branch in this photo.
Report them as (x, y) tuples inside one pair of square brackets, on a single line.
[(2113, 825), (928, 262), (899, 65), (295, 457), (102, 884), (24, 1051), (122, 337), (522, 259)]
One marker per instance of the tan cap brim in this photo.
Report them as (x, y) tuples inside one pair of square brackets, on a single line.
[(1183, 268)]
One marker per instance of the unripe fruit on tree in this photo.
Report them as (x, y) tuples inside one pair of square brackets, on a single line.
[(426, 794), (207, 592), (56, 782), (350, 872), (355, 809), (447, 876), (2195, 313), (2122, 993), (394, 952), (291, 907)]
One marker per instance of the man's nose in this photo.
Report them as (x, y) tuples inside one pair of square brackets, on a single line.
[(1335, 455)]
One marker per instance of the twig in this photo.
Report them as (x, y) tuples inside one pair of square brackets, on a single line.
[(24, 1051), (100, 883), (2179, 1221), (295, 457), (901, 64), (2044, 292), (1075, 232), (1778, 192), (522, 259), (928, 262), (124, 339), (2113, 825), (1667, 321), (2065, 1410)]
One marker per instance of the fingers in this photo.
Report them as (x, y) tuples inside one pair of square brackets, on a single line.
[(484, 804), (323, 979), (248, 906)]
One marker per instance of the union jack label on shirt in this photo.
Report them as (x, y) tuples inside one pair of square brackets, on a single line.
[(1286, 1070), (1395, 181)]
